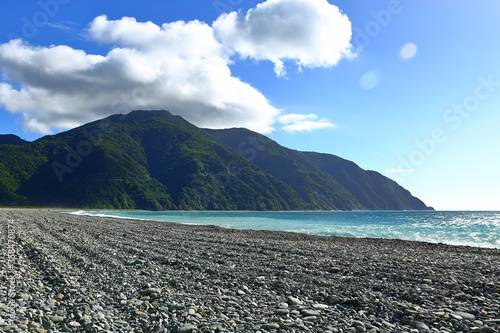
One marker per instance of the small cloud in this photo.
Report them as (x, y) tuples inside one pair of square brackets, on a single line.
[(408, 51), (295, 117), (369, 80), (61, 26), (398, 170), (309, 33), (295, 123)]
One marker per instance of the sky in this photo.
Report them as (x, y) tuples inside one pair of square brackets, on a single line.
[(410, 89)]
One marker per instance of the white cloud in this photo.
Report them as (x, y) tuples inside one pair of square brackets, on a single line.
[(294, 123), (313, 33), (180, 66), (398, 170)]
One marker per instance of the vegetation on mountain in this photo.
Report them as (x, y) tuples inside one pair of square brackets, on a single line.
[(156, 161), (10, 139)]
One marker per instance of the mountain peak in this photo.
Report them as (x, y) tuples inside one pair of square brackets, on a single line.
[(11, 139), (156, 160)]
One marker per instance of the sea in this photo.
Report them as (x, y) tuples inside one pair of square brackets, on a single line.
[(479, 229)]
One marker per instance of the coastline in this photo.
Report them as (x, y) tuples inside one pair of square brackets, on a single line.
[(80, 272), (354, 224)]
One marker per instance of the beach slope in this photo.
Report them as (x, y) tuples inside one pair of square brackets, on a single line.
[(69, 273)]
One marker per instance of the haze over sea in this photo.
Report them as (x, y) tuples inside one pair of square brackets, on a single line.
[(480, 229)]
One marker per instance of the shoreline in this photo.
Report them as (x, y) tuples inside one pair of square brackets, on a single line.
[(473, 245), (118, 275)]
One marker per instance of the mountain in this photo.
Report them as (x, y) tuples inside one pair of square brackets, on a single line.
[(323, 179), (10, 139), (157, 161)]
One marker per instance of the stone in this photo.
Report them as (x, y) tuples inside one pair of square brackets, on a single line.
[(150, 291), (56, 319), (74, 324), (486, 329), (465, 315), (186, 328), (333, 300), (271, 326), (294, 301), (357, 323), (47, 324), (307, 313), (282, 311), (65, 328), (421, 327), (23, 296)]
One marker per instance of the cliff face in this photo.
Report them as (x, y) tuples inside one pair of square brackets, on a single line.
[(154, 160)]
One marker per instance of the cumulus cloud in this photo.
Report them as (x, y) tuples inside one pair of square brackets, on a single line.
[(313, 33), (179, 66), (294, 122)]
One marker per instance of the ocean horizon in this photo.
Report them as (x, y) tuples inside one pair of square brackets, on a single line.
[(465, 228)]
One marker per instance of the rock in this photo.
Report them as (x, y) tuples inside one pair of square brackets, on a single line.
[(74, 324), (464, 315), (486, 329), (186, 328), (421, 327), (310, 313), (357, 323), (271, 326), (294, 301), (47, 324), (282, 311), (56, 319), (333, 300), (379, 286), (23, 296), (65, 328), (150, 291)]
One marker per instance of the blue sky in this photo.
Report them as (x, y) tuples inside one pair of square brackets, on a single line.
[(410, 89)]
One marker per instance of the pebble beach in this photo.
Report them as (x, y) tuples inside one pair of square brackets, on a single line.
[(68, 273)]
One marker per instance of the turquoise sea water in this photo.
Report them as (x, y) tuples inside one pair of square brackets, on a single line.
[(480, 229)]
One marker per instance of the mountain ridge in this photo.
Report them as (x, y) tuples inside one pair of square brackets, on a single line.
[(158, 161), (11, 139)]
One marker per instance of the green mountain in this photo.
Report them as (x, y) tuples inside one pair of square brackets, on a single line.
[(157, 161), (321, 179), (10, 139)]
